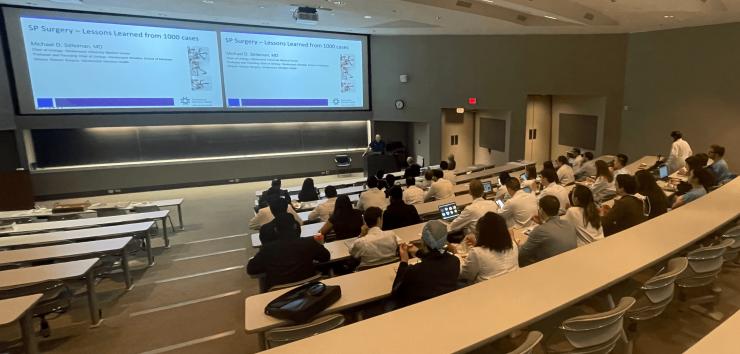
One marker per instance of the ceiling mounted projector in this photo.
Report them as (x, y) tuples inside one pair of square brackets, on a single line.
[(306, 15)]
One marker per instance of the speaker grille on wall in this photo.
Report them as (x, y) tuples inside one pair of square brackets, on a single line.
[(521, 18), (589, 16), (464, 4)]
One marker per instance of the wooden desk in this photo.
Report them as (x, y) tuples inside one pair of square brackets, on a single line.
[(116, 246), (309, 230), (139, 230), (433, 207), (517, 299), (472, 169), (19, 309), (721, 340), (347, 191), (16, 278)]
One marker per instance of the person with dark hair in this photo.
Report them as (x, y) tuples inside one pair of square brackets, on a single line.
[(584, 215), (700, 180), (308, 191), (717, 154), (428, 179), (266, 214), (531, 182), (440, 189), (655, 195), (491, 252), (414, 170), (628, 211), (278, 212), (470, 215), (680, 150), (399, 214), (451, 162), (390, 181), (520, 208), (274, 189), (382, 185), (603, 186), (448, 174), (551, 187), (413, 194), (288, 257), (435, 275), (324, 210), (373, 196), (577, 159), (374, 246), (551, 237), (620, 164), (346, 221), (704, 164), (565, 172), (547, 165), (588, 168), (698, 161), (501, 193)]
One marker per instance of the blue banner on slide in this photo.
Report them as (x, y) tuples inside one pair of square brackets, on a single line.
[(114, 102), (285, 102)]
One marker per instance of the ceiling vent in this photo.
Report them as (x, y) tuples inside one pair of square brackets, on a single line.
[(589, 16), (521, 18), (464, 4)]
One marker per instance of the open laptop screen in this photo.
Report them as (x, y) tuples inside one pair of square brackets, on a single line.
[(663, 172), (487, 186)]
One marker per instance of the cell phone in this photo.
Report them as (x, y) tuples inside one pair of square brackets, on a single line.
[(500, 203), (598, 205), (527, 232)]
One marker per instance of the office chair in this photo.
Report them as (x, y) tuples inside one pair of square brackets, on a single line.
[(343, 162), (704, 265), (533, 338), (284, 335), (731, 253), (151, 208), (590, 334), (300, 282), (110, 212), (653, 297)]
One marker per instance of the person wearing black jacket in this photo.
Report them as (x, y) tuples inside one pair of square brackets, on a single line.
[(435, 275), (289, 257), (308, 191), (628, 211), (653, 192), (414, 170), (279, 209), (275, 189), (399, 214)]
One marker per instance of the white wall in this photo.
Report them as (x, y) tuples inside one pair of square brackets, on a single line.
[(482, 156), (461, 125), (588, 105)]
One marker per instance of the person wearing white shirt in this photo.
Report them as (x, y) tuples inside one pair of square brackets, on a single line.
[(440, 189), (324, 210), (584, 215), (372, 197), (428, 179), (619, 166), (531, 179), (265, 215), (603, 187), (549, 182), (469, 216), (588, 168), (501, 193), (520, 208), (374, 246), (577, 161), (565, 172), (680, 151), (448, 173), (412, 194), (491, 253)]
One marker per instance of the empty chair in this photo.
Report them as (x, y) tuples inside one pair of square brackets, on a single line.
[(653, 297), (151, 208), (733, 250), (343, 162), (290, 285), (704, 265), (110, 212), (371, 266), (284, 335), (533, 338), (16, 220), (57, 298), (62, 217), (591, 334)]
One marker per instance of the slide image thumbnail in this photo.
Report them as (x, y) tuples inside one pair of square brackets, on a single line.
[(347, 60), (348, 86), (199, 59), (201, 83)]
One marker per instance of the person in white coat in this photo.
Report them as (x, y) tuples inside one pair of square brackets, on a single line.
[(679, 152)]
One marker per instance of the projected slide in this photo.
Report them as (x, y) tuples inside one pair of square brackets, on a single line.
[(285, 71), (77, 64)]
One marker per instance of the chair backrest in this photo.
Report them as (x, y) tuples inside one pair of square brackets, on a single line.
[(597, 329), (285, 335), (145, 208), (64, 217), (110, 212), (533, 338), (371, 266), (341, 159), (290, 285), (708, 259), (660, 287), (732, 252)]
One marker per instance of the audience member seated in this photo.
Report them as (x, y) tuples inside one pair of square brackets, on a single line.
[(628, 211), (413, 194), (288, 257), (577, 161), (428, 179), (374, 246), (520, 208), (266, 214), (565, 172), (274, 213), (382, 185), (699, 179), (451, 162), (551, 237), (548, 165), (501, 193), (308, 192), (588, 168), (435, 275), (414, 170), (551, 187), (584, 215), (399, 214), (531, 173), (620, 164), (603, 187), (440, 189), (324, 210), (346, 221), (276, 183), (717, 154), (372, 197), (390, 181), (704, 163), (646, 186), (448, 174), (470, 215), (491, 252)]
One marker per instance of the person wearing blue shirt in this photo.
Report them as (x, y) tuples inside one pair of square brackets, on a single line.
[(717, 154), (699, 179), (376, 146)]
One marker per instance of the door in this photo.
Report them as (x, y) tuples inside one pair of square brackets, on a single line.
[(539, 126)]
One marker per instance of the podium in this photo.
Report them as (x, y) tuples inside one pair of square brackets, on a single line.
[(373, 163)]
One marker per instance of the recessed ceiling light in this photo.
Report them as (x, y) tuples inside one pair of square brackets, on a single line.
[(262, 7), (207, 1), (339, 3), (668, 16), (333, 14), (368, 17), (439, 18), (551, 17), (163, 15)]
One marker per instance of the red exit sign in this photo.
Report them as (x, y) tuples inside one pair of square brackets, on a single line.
[(472, 100)]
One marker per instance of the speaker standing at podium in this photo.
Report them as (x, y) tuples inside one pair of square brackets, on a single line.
[(377, 146)]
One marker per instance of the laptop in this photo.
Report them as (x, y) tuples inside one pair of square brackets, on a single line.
[(500, 203), (449, 211), (487, 187), (663, 172)]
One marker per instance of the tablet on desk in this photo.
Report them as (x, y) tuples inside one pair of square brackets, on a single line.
[(487, 187)]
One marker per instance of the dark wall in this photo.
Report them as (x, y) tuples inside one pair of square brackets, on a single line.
[(9, 160), (683, 79)]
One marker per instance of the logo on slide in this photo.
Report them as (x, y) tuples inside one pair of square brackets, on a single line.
[(185, 100), (336, 101)]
